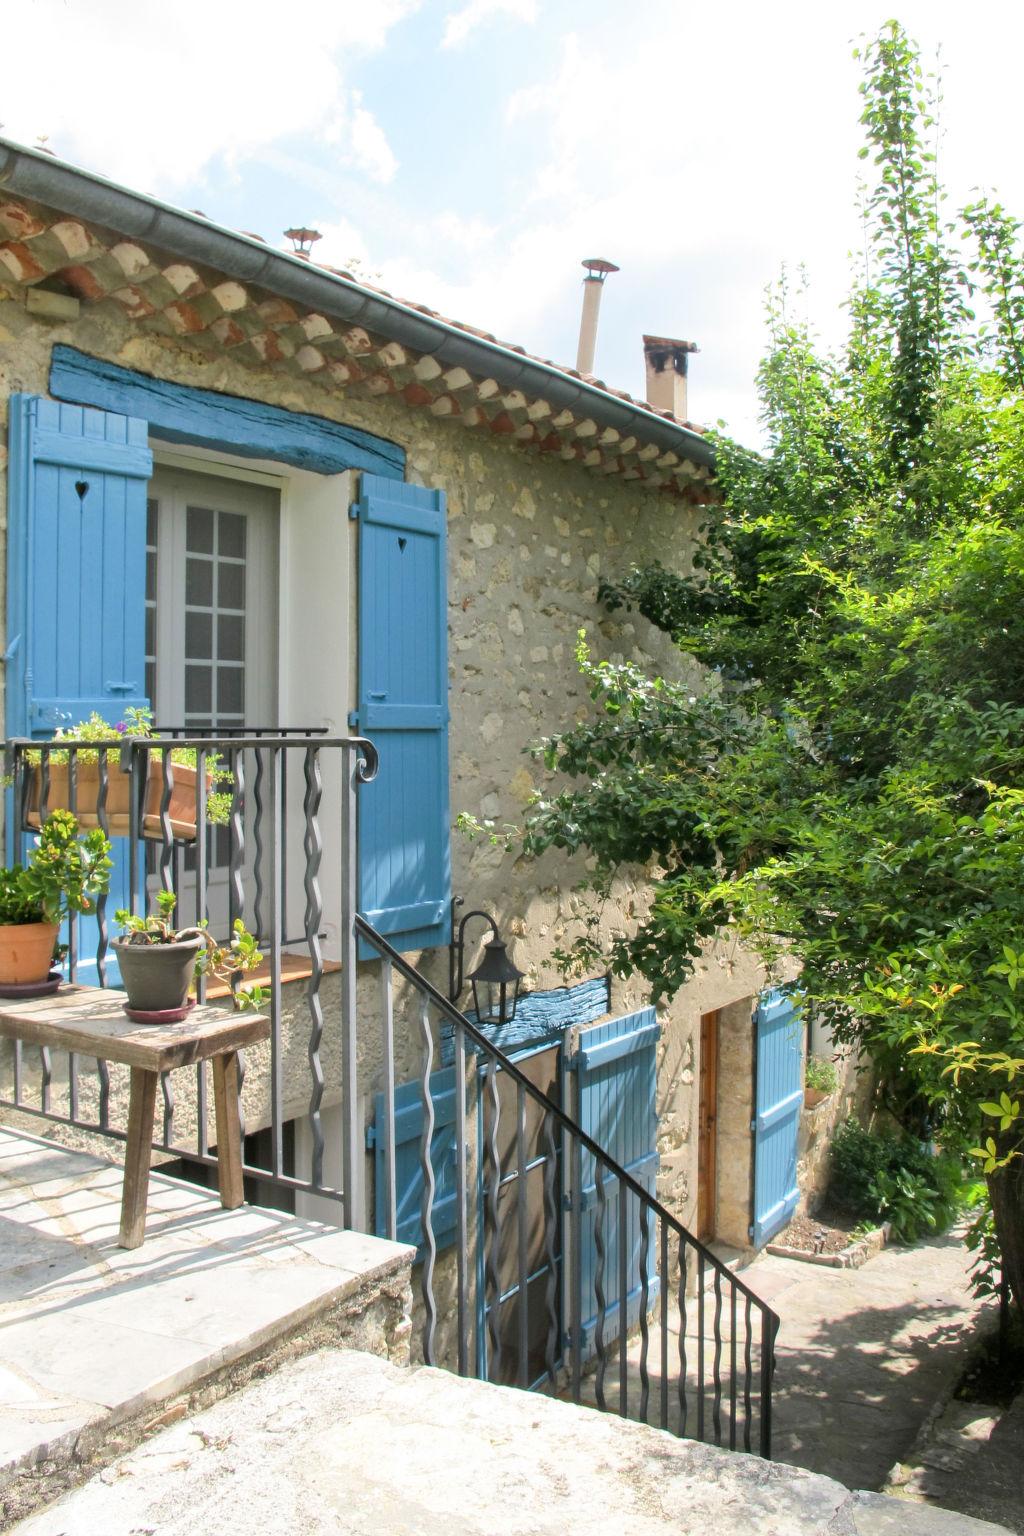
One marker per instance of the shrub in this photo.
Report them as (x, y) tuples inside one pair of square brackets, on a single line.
[(888, 1176)]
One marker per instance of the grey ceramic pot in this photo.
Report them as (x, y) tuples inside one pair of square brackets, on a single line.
[(157, 976)]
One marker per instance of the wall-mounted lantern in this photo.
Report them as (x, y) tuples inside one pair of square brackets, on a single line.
[(495, 981)]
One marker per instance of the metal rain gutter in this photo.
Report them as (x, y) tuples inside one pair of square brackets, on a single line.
[(56, 184)]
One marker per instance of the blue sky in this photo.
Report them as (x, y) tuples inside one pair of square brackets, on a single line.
[(471, 152)]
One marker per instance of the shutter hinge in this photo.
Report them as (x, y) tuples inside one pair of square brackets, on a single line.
[(353, 720), (371, 1137), (567, 1201), (353, 511), (750, 1231), (12, 649)]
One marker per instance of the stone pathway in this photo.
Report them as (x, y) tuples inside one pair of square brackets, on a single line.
[(864, 1354)]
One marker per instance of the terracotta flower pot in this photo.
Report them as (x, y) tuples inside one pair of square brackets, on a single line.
[(26, 952), (157, 977), (814, 1096), (182, 809)]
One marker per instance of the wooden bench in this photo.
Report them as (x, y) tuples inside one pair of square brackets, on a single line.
[(91, 1021)]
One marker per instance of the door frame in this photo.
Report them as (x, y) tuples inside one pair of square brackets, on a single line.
[(707, 1126)]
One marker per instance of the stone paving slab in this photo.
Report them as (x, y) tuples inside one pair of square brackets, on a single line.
[(346, 1444), (92, 1334)]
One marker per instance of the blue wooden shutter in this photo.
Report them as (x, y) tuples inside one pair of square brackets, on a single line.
[(76, 578), (404, 854), (408, 1169), (76, 582), (780, 1096), (617, 1079)]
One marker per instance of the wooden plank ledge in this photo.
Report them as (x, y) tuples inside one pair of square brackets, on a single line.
[(92, 1022)]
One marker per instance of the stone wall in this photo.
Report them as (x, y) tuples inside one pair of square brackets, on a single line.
[(529, 540)]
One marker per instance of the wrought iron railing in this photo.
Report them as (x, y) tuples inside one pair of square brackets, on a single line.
[(694, 1351), (648, 1323), (156, 849)]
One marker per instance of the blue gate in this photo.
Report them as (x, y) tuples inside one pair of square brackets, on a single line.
[(778, 1100)]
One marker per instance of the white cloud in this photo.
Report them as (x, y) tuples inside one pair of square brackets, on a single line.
[(371, 151), (151, 96), (461, 23)]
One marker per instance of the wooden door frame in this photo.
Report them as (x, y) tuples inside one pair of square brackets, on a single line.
[(707, 1125)]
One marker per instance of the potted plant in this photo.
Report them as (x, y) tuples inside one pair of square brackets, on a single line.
[(62, 874), (821, 1080), (159, 963), (137, 724)]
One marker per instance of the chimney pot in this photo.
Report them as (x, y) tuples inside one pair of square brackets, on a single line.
[(666, 364), (597, 270)]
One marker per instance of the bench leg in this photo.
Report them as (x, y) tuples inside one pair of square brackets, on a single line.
[(141, 1109), (229, 1130)]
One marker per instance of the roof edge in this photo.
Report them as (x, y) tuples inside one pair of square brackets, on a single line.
[(56, 183)]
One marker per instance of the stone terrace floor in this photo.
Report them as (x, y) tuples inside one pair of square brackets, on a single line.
[(92, 1335)]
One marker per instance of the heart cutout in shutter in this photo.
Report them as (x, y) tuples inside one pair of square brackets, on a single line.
[(402, 543), (81, 488)]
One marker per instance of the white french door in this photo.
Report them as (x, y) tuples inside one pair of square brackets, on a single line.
[(212, 628)]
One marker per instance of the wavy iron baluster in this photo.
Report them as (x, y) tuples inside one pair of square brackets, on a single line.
[(732, 1366), (236, 846), (101, 901), (684, 1406), (314, 915), (663, 1281), (599, 1293), (716, 1368), (166, 830), (522, 1240), (492, 1231), (257, 837), (429, 1186), (645, 1301), (550, 1249), (747, 1371)]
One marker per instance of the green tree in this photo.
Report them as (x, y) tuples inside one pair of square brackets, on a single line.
[(848, 787)]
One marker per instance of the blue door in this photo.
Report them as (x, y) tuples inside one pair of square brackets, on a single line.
[(76, 583), (617, 1075), (778, 1101)]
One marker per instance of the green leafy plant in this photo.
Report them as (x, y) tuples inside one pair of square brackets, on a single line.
[(63, 874), (821, 1074), (224, 962), (907, 1202), (888, 1176), (845, 785), (137, 724)]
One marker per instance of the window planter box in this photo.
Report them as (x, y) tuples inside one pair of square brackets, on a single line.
[(182, 808)]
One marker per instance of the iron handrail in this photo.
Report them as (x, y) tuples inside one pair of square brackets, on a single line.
[(567, 1123)]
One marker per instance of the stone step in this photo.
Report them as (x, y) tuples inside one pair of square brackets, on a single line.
[(96, 1339), (342, 1443)]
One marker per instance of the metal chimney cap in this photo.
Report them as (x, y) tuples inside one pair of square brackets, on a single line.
[(598, 268)]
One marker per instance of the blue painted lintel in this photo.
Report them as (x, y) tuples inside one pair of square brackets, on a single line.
[(542, 1017), (179, 413)]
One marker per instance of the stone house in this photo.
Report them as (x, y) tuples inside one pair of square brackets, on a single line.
[(238, 403)]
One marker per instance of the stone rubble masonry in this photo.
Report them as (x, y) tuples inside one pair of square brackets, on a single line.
[(345, 1444), (529, 539)]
